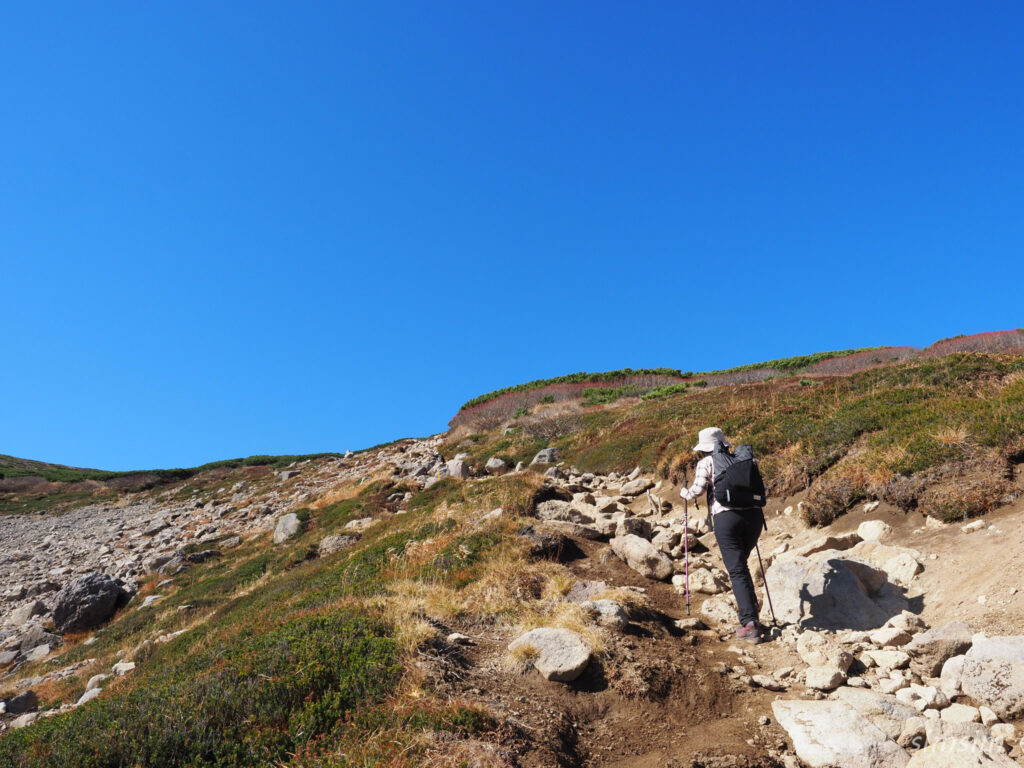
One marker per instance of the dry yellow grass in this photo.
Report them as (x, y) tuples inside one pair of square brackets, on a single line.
[(951, 435)]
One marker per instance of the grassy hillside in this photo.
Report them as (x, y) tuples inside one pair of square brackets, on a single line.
[(942, 434), (287, 660), (27, 486), (290, 659)]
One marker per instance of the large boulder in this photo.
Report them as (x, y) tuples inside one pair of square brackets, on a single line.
[(87, 602), (829, 591), (458, 468), (993, 675), (885, 712), (335, 543), (545, 456), (20, 616), (288, 526), (832, 734), (495, 466), (929, 650), (643, 557), (636, 487), (817, 649), (558, 654)]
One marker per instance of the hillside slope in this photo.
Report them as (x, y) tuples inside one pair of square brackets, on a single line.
[(358, 611)]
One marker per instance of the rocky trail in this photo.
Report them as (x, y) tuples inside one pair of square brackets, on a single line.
[(899, 641)]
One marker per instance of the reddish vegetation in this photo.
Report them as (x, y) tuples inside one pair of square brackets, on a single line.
[(492, 413), (991, 341)]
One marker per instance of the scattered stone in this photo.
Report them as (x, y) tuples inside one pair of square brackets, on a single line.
[(23, 702), (640, 555), (952, 671), (769, 683), (824, 678), (24, 720), (977, 525), (890, 637), (636, 487), (20, 616), (929, 650), (884, 712), (558, 654), (832, 734), (87, 602), (831, 593), (335, 543), (546, 456), (608, 613), (873, 530), (961, 713), (123, 667), (888, 660), (821, 650), (495, 466), (89, 695), (37, 653), (993, 675), (287, 528), (95, 681), (457, 638), (459, 469)]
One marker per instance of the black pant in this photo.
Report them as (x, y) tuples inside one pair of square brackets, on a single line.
[(737, 531)]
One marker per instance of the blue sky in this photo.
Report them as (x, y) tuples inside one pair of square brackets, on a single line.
[(240, 228)]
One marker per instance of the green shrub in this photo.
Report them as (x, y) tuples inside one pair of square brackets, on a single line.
[(251, 700)]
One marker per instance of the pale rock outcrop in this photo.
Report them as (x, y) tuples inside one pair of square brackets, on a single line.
[(642, 556), (832, 734), (929, 650), (558, 654), (993, 674)]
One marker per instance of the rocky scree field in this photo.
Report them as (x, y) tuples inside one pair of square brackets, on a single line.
[(514, 596)]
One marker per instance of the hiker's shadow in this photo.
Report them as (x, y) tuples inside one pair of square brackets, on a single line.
[(848, 601)]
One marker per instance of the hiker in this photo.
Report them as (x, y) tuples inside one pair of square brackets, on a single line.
[(736, 530)]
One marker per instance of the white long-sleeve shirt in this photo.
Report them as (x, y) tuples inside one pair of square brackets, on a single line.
[(704, 482)]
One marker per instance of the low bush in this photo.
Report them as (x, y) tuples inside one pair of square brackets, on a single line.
[(252, 700)]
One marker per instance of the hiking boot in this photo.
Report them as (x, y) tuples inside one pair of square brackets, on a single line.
[(749, 633)]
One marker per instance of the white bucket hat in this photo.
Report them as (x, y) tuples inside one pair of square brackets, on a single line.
[(709, 438)]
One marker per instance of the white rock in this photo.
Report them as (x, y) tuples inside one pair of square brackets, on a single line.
[(558, 654), (824, 678), (95, 681), (607, 612), (832, 734), (993, 674), (26, 719), (888, 660), (952, 671), (988, 717), (123, 667), (819, 649), (287, 527), (873, 530), (890, 637), (977, 525), (642, 556), (961, 713), (89, 695)]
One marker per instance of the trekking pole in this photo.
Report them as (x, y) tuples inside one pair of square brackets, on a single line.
[(686, 549), (764, 578)]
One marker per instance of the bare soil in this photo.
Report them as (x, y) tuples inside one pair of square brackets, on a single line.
[(659, 696)]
